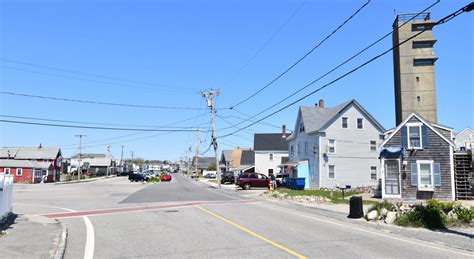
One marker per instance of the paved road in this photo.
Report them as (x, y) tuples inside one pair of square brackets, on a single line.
[(184, 219)]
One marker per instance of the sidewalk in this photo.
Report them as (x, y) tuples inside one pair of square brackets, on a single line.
[(33, 237)]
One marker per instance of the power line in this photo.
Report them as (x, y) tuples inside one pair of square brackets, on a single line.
[(466, 8), (302, 58), (93, 127), (98, 102), (87, 74), (331, 70)]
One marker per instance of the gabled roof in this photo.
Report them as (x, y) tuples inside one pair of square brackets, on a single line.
[(30, 152), (89, 155), (226, 155), (270, 142), (247, 158), (24, 164), (468, 129), (317, 119), (204, 162), (425, 122)]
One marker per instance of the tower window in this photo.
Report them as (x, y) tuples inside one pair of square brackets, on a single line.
[(424, 62), (417, 79), (423, 44), (420, 27), (418, 98)]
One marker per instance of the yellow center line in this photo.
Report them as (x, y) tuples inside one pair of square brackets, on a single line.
[(252, 233)]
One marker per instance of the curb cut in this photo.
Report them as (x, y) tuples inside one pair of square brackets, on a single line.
[(61, 247)]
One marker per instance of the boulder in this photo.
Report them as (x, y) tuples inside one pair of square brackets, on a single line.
[(452, 215), (373, 215), (383, 212), (391, 217)]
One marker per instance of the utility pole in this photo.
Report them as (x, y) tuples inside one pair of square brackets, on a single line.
[(131, 162), (197, 154), (79, 170), (121, 158), (210, 95)]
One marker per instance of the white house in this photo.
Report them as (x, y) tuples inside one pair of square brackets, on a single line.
[(271, 150), (336, 146), (464, 139)]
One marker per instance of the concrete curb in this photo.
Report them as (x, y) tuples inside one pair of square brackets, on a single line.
[(84, 181), (61, 246)]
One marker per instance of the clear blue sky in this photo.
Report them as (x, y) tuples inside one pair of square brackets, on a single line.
[(179, 48)]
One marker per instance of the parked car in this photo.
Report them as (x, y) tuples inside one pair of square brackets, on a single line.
[(136, 177), (165, 177), (249, 180), (193, 175), (228, 177), (210, 175)]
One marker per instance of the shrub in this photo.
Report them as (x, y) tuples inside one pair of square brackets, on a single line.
[(154, 180), (465, 215), (446, 207), (382, 205), (423, 216)]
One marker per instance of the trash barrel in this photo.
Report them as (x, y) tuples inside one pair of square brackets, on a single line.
[(356, 210), (296, 183)]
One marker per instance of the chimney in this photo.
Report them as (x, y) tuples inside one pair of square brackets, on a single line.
[(283, 131), (321, 103)]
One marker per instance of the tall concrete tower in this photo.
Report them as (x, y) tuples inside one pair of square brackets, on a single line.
[(414, 71)]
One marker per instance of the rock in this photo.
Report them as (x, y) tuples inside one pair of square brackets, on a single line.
[(373, 215), (452, 215), (383, 212), (313, 199), (391, 217)]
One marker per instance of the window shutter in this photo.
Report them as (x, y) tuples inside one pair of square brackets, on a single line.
[(404, 137), (414, 174), (437, 174), (424, 136)]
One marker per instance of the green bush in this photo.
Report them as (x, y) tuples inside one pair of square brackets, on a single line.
[(154, 180), (423, 216), (446, 207), (382, 205), (465, 215)]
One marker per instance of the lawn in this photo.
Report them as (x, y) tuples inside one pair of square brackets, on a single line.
[(336, 196)]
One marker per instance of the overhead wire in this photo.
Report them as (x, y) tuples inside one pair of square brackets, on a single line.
[(441, 21), (333, 69), (302, 58)]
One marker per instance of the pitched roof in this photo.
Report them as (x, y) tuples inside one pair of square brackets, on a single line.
[(247, 158), (226, 155), (30, 152), (89, 155), (204, 162), (317, 118), (422, 120), (24, 164), (270, 141)]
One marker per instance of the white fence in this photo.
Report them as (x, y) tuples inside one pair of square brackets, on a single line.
[(6, 195)]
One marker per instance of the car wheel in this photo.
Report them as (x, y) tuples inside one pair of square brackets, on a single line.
[(247, 186)]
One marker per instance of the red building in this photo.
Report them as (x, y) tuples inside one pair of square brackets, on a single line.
[(31, 165)]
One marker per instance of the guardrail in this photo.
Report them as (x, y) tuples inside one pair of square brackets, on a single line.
[(6, 196)]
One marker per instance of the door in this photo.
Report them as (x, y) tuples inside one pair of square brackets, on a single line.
[(303, 172), (392, 177)]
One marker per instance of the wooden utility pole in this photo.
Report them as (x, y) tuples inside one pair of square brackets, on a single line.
[(79, 170), (210, 95), (197, 153)]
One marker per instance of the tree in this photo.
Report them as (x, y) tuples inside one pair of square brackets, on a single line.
[(212, 167)]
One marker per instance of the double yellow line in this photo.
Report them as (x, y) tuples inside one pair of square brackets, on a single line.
[(252, 233)]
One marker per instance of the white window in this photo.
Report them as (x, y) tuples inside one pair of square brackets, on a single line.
[(6, 171), (331, 146), (19, 171), (331, 172), (373, 145), (414, 136), (301, 127), (360, 123), (306, 148), (425, 174), (373, 173), (345, 122), (270, 157), (270, 171)]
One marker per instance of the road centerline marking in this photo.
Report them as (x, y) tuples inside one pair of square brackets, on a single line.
[(250, 232)]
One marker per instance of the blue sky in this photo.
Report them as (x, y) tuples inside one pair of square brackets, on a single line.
[(166, 52)]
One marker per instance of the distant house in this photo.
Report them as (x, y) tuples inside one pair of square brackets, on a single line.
[(94, 164), (31, 164), (336, 146), (242, 160), (464, 140), (271, 150), (202, 162), (224, 162), (417, 161)]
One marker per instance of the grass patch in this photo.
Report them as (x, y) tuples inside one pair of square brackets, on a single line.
[(212, 181), (154, 180), (335, 196)]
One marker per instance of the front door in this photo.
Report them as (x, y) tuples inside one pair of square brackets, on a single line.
[(392, 177)]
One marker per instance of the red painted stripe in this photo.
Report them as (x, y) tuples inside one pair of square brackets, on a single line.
[(131, 209)]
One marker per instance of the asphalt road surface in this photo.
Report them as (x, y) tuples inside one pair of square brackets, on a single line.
[(114, 218)]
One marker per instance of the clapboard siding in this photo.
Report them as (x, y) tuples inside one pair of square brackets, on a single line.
[(439, 151)]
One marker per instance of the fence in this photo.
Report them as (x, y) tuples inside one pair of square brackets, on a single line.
[(6, 196)]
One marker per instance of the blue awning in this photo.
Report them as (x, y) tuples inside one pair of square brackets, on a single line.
[(392, 152)]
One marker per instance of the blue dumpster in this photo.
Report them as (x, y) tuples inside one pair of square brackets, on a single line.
[(297, 183)]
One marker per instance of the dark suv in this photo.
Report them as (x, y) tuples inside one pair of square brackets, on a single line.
[(228, 177), (249, 180), (136, 177)]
